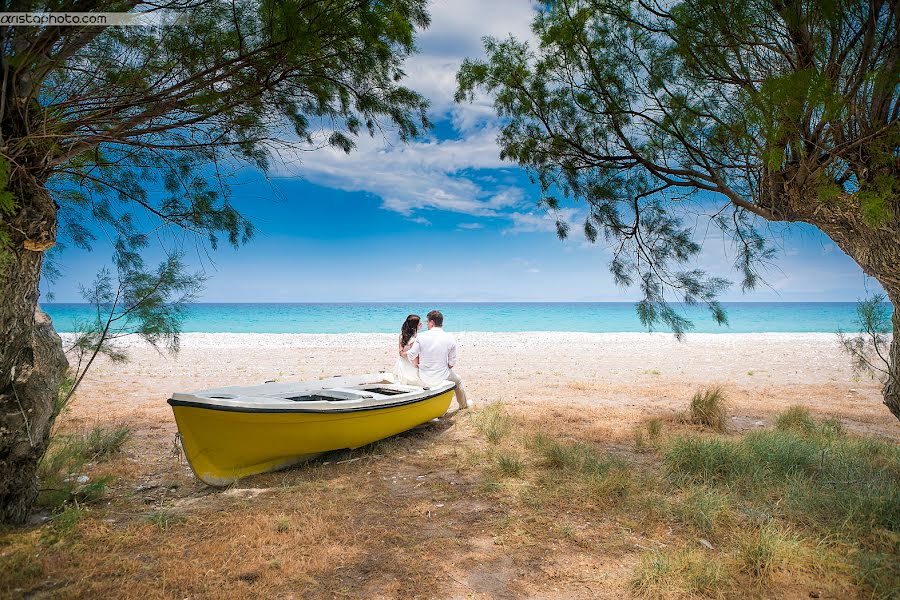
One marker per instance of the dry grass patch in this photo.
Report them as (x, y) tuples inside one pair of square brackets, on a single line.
[(475, 504), (764, 551), (679, 574), (707, 409)]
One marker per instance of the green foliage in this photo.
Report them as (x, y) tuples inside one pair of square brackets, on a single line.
[(707, 409), (875, 199), (164, 117), (638, 109), (61, 470), (62, 524), (149, 304), (869, 347)]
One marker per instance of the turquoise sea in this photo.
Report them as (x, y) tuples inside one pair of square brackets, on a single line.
[(744, 317)]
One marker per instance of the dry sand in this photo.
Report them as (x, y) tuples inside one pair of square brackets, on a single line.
[(623, 377)]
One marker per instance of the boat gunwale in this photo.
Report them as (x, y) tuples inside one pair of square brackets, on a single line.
[(300, 409)]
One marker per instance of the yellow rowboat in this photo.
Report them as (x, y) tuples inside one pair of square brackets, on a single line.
[(232, 432)]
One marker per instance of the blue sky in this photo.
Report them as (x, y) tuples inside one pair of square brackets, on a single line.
[(442, 218)]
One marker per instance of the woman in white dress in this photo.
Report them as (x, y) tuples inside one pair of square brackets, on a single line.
[(405, 371)]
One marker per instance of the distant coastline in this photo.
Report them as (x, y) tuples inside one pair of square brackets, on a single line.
[(385, 317)]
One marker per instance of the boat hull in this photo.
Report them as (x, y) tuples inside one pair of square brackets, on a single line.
[(223, 445)]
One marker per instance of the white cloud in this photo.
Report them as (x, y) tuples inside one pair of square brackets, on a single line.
[(456, 32), (435, 174), (420, 221), (470, 226), (534, 221), (417, 176)]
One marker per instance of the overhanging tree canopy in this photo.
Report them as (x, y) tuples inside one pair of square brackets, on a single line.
[(786, 110), (136, 129)]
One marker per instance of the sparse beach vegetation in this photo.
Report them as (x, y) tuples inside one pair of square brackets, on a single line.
[(62, 467), (695, 513)]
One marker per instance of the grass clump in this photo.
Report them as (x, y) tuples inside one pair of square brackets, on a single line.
[(101, 443), (796, 419), (653, 435), (662, 574), (493, 421), (705, 509), (708, 409), (578, 470), (763, 551), (61, 468), (653, 574), (62, 524), (573, 457), (283, 525), (165, 518), (510, 465)]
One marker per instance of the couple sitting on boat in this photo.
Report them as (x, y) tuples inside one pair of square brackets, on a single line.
[(428, 358)]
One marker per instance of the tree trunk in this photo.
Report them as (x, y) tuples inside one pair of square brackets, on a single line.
[(31, 357), (891, 391), (874, 246)]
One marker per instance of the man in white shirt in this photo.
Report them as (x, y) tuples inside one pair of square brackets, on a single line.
[(434, 351)]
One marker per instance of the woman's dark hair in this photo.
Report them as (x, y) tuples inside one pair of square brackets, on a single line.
[(409, 329)]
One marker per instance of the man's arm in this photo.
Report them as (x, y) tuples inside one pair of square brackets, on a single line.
[(413, 354)]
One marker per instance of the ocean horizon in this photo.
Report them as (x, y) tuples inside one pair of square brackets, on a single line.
[(386, 317)]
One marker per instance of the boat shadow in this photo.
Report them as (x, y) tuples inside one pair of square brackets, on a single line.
[(320, 466)]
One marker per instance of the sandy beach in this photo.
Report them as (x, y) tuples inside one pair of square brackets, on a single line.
[(621, 378)]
